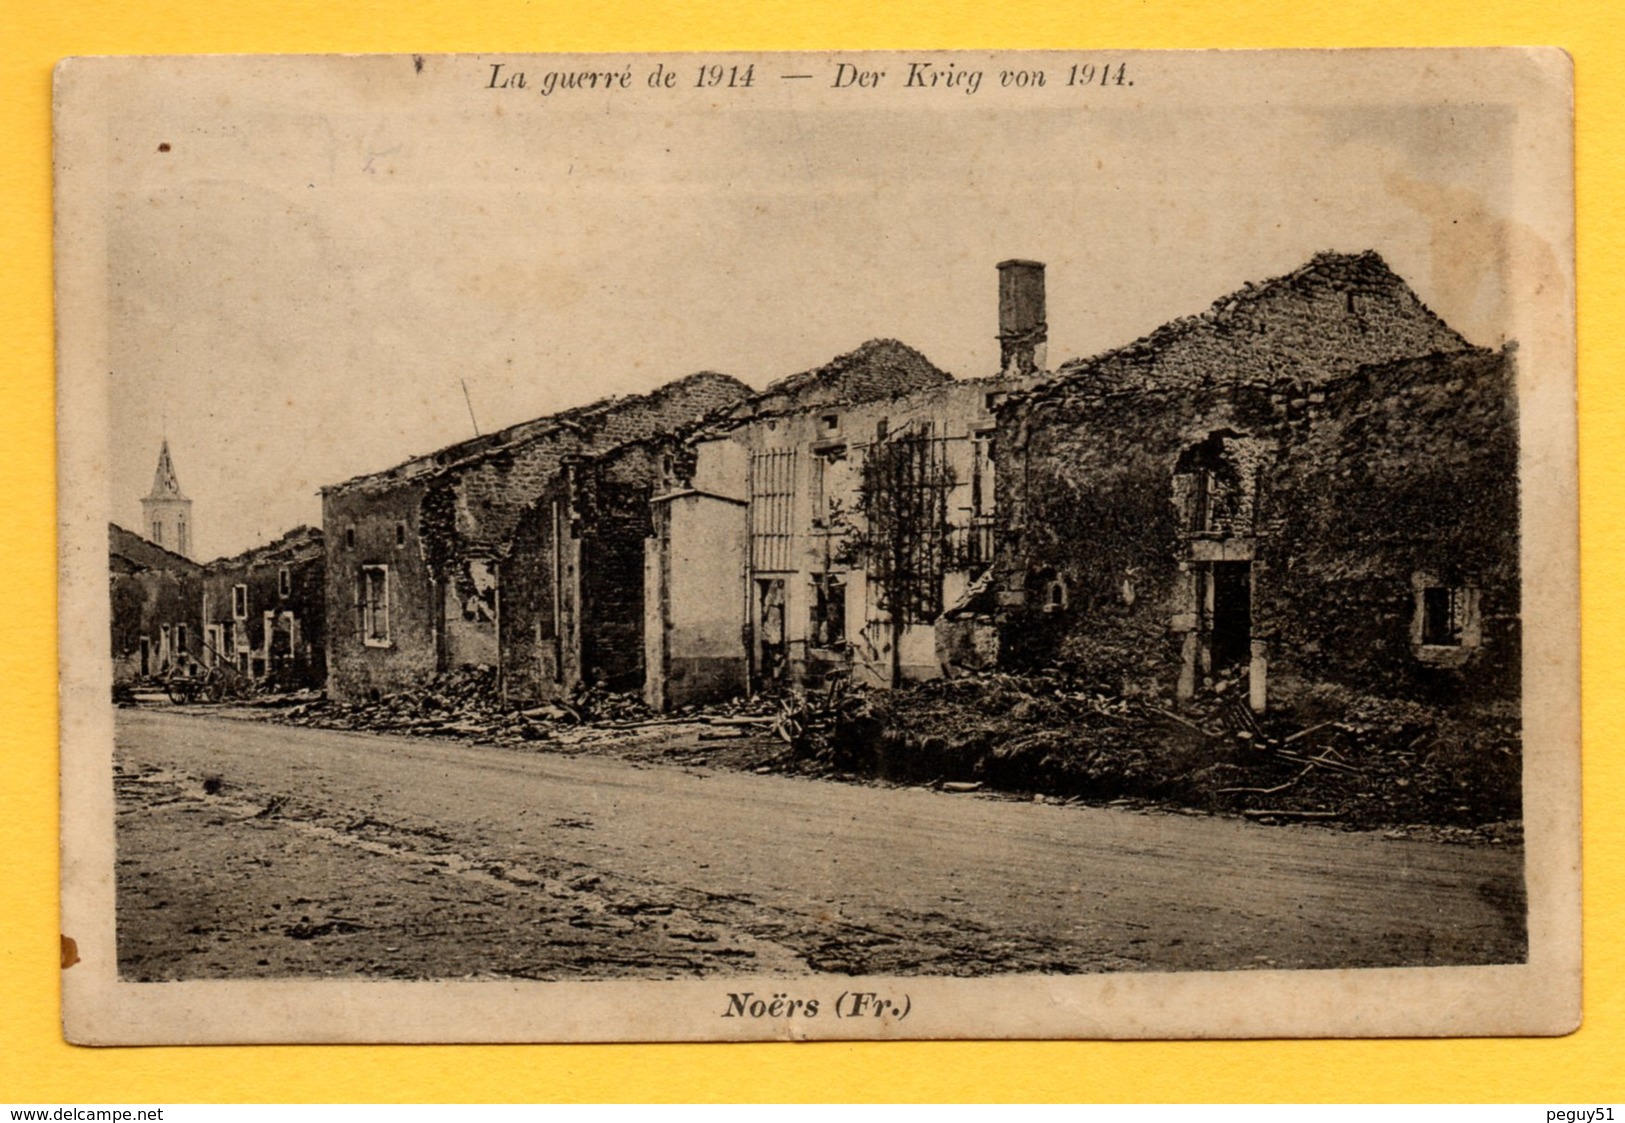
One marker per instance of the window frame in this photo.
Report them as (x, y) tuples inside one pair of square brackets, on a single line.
[(1464, 619), (368, 614), (239, 602)]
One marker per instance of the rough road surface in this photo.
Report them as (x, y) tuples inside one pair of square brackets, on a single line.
[(254, 850)]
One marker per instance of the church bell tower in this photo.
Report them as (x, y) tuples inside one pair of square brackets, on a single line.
[(168, 513)]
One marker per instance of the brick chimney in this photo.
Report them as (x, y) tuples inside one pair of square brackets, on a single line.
[(1023, 334)]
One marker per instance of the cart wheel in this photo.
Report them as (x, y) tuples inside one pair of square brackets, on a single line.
[(178, 693)]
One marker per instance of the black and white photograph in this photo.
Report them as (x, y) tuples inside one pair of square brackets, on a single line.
[(795, 546)]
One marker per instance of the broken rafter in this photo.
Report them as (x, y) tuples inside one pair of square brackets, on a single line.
[(1186, 722), (1268, 791), (1302, 733)]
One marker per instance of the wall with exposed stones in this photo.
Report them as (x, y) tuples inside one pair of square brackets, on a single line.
[(1373, 452), (1401, 473)]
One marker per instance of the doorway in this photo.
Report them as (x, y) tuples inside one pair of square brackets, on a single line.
[(1230, 642), (772, 647)]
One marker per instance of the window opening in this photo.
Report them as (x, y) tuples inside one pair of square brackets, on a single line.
[(375, 605), (829, 610)]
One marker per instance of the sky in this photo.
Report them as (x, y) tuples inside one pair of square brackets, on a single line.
[(308, 261)]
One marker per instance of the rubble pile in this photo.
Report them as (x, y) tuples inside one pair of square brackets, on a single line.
[(1346, 759), (456, 703), (1338, 757), (466, 703)]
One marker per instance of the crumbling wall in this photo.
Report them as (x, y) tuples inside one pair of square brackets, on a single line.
[(461, 511), (1365, 486), (1409, 470), (494, 490), (1096, 566), (1312, 326), (615, 525), (873, 371), (1092, 573), (531, 657)]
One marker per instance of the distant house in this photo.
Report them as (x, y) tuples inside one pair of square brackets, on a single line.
[(265, 610), (156, 598), (414, 553)]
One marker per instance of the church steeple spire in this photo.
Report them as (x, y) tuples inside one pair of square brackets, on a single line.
[(168, 512), (165, 485)]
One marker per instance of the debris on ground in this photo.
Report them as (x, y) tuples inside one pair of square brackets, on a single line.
[(1334, 758)]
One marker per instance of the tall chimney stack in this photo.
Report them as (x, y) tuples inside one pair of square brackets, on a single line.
[(1023, 334)]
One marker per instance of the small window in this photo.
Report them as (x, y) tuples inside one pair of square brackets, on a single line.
[(830, 423), (374, 605), (990, 402), (881, 429), (349, 538), (284, 582), (1446, 626), (239, 601), (400, 534), (158, 532), (1055, 596)]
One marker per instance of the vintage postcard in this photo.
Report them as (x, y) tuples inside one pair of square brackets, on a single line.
[(782, 546)]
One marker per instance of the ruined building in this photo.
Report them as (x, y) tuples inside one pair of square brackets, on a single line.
[(1311, 486), (155, 597), (1313, 483), (264, 611), (414, 553), (577, 578), (831, 534)]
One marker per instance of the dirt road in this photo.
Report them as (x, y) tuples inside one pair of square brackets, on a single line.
[(250, 850)]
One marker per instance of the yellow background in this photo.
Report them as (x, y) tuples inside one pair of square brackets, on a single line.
[(35, 1066)]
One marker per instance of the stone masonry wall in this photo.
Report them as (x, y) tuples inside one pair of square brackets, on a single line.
[(1403, 469), (1383, 448)]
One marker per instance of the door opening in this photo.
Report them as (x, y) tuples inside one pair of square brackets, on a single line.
[(1232, 620)]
